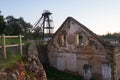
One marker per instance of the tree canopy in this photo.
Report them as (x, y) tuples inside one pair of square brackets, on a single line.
[(2, 24), (109, 36), (14, 26)]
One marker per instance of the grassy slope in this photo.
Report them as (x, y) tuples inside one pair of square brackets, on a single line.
[(12, 41), (12, 58), (54, 74)]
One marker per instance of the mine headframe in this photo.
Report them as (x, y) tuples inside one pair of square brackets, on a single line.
[(44, 25)]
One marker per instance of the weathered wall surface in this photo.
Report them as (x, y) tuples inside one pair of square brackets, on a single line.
[(117, 63), (73, 57)]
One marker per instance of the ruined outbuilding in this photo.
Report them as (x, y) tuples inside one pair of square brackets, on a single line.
[(76, 49)]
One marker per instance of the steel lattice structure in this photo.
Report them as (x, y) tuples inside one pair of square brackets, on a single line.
[(45, 24)]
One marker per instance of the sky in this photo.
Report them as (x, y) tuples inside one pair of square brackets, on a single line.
[(100, 16)]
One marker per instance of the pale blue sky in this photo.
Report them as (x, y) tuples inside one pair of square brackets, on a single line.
[(100, 16)]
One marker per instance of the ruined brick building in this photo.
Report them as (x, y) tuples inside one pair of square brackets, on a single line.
[(76, 49)]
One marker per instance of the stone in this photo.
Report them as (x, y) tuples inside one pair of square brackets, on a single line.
[(3, 75), (14, 76)]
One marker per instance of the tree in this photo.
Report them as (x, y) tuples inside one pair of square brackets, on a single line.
[(13, 24), (109, 36), (17, 26), (2, 25), (8, 30), (24, 26)]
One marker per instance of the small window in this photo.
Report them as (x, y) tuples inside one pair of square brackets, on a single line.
[(63, 38), (79, 39)]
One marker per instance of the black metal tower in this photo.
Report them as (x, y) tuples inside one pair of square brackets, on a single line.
[(45, 24)]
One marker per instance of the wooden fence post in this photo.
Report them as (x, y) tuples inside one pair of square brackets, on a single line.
[(3, 46), (20, 44)]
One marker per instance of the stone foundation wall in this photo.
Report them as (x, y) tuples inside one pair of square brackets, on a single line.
[(34, 65)]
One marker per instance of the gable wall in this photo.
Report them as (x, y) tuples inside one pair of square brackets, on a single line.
[(72, 57)]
